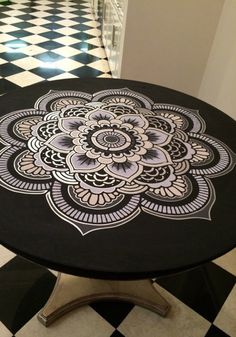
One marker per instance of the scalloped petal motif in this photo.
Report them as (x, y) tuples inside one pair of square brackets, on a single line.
[(102, 159)]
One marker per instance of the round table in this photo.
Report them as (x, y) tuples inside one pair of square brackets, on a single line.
[(115, 179)]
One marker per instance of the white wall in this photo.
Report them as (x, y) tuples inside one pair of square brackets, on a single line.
[(168, 42), (218, 86)]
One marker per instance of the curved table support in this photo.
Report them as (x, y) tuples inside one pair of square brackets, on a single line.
[(71, 292)]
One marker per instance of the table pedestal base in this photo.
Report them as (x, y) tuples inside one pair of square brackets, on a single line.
[(71, 292)]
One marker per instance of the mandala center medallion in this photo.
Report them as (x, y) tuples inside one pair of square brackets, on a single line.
[(112, 140), (103, 158)]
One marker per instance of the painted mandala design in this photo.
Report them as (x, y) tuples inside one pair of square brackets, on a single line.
[(101, 159)]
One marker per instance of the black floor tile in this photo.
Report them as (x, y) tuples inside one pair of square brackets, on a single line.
[(82, 36), (4, 3), (117, 333), (204, 289), (113, 311), (28, 10), (47, 72), (79, 12), (52, 26), (16, 44), (50, 45), (51, 35), (55, 11), (11, 56), (26, 17), (83, 27), (215, 332), (54, 5), (53, 18), (24, 289), (6, 86), (86, 71), (84, 46), (8, 69), (3, 16), (49, 57), (31, 3), (80, 20), (85, 58), (20, 33), (23, 25)]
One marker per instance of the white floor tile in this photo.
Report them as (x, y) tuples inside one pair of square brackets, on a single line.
[(11, 20), (5, 256), (36, 30), (94, 31), (15, 12), (41, 14), (98, 52), (226, 319), (95, 41), (4, 332), (180, 321), (93, 24), (68, 64), (25, 78), (83, 322), (67, 31), (66, 51), (2, 61), (27, 63), (38, 22), (228, 261), (34, 39), (89, 16), (101, 65), (6, 37), (3, 48), (87, 10), (68, 9), (67, 22), (17, 6), (8, 29), (42, 8), (62, 77), (105, 76), (67, 15), (33, 50), (87, 4), (66, 40)]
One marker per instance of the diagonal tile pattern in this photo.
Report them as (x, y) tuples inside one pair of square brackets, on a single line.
[(45, 40), (49, 32)]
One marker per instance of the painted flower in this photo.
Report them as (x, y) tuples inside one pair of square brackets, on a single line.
[(101, 159)]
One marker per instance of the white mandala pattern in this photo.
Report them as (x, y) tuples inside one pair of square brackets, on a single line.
[(101, 159)]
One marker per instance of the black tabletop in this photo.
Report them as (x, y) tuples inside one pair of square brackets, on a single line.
[(115, 179)]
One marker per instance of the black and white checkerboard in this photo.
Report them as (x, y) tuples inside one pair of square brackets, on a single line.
[(46, 40), (203, 304)]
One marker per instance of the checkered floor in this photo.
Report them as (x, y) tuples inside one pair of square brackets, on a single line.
[(203, 304), (45, 40), (48, 40)]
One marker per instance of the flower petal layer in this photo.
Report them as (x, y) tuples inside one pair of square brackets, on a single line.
[(156, 157), (61, 143), (81, 163), (70, 124), (127, 171), (134, 120), (158, 137), (100, 114)]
